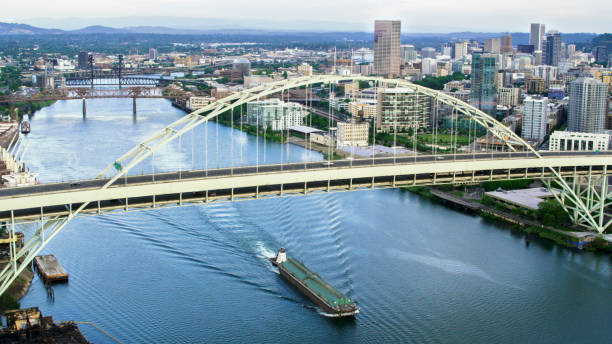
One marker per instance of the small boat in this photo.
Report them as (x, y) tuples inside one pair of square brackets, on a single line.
[(25, 125), (332, 301)]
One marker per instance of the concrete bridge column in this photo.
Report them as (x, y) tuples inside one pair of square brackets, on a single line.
[(84, 108), (134, 106)]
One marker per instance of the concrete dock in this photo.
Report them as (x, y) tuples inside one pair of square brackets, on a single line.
[(50, 269)]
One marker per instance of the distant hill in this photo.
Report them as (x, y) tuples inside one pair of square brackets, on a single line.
[(96, 29), (24, 29), (603, 40), (517, 37)]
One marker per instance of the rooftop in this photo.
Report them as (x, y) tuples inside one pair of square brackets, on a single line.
[(526, 198)]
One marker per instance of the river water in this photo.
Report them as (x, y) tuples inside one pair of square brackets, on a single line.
[(420, 271)]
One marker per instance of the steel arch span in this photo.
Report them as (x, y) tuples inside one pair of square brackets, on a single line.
[(588, 211)]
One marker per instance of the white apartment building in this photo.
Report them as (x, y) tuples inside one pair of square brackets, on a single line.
[(573, 141), (534, 118), (587, 106), (352, 134), (275, 114)]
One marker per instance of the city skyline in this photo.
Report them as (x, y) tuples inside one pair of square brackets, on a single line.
[(317, 15)]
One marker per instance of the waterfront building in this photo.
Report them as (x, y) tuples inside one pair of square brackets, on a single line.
[(492, 45), (402, 108), (387, 41), (552, 51), (352, 134), (275, 114), (508, 96), (483, 77), (506, 47), (195, 103), (535, 114), (573, 141), (536, 35), (587, 105)]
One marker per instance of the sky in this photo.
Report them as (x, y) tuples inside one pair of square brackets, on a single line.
[(321, 15)]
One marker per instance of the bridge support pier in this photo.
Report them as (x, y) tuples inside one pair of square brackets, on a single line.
[(134, 106), (84, 108), (585, 198)]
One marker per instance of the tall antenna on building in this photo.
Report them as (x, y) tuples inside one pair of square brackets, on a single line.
[(352, 60), (334, 69)]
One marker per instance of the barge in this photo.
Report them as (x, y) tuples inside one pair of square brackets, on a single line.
[(332, 301)]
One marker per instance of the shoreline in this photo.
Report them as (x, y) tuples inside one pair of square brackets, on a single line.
[(11, 299), (581, 241)]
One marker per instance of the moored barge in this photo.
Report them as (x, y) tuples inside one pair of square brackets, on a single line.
[(332, 301)]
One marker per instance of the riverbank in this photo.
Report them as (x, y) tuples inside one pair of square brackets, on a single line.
[(570, 239), (18, 289), (17, 110)]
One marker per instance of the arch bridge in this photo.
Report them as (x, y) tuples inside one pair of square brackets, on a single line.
[(582, 178)]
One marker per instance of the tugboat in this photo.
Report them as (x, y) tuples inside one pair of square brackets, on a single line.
[(332, 301), (25, 125)]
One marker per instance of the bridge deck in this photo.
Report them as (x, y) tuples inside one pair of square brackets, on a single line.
[(229, 184)]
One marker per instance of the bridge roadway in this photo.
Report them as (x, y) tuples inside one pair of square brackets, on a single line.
[(228, 184)]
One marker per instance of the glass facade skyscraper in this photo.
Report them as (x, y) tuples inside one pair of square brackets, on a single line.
[(484, 89)]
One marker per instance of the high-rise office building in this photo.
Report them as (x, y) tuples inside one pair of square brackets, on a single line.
[(587, 105), (600, 54), (506, 47), (387, 39), (460, 49), (491, 45), (534, 118), (83, 60), (571, 50), (536, 36), (552, 51), (483, 82)]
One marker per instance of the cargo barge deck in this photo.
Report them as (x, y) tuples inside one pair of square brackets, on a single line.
[(332, 301)]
